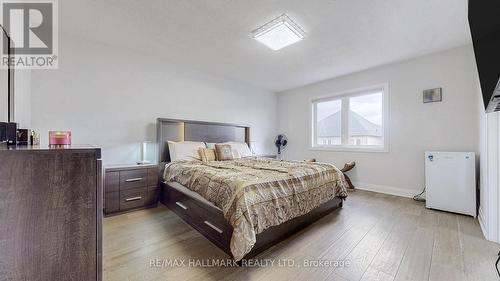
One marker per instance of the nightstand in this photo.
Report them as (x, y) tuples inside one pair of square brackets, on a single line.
[(130, 187)]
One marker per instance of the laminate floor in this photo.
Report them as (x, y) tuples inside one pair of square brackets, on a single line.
[(373, 237)]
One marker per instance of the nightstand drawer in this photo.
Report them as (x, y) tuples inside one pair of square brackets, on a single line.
[(134, 198), (153, 195), (111, 202), (133, 179), (112, 182), (153, 176)]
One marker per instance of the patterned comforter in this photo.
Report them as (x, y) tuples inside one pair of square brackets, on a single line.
[(255, 194)]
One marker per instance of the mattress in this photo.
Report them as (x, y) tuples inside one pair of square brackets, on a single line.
[(186, 191)]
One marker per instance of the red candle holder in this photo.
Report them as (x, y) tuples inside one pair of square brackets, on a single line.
[(59, 138)]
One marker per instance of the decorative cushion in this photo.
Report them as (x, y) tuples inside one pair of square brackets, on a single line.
[(207, 154), (187, 150), (224, 152)]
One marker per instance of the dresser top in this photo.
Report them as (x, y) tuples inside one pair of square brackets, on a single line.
[(37, 148)]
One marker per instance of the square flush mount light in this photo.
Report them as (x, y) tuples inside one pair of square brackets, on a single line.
[(279, 33)]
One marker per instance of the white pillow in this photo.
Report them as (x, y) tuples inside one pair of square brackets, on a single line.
[(240, 149), (187, 150)]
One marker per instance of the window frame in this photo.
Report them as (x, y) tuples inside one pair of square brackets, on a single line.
[(344, 97)]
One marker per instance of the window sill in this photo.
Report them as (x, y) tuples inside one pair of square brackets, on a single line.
[(350, 149)]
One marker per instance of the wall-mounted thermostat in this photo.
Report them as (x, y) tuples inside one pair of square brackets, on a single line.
[(433, 95)]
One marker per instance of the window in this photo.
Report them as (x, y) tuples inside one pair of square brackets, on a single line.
[(351, 121)]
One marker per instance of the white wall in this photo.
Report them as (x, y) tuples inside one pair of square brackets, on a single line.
[(21, 109), (110, 97), (4, 95), (414, 127), (22, 98)]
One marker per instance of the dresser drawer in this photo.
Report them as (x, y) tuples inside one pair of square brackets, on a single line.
[(133, 198), (133, 179)]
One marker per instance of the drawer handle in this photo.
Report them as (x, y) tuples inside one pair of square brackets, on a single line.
[(181, 205), (133, 199), (213, 227), (135, 179)]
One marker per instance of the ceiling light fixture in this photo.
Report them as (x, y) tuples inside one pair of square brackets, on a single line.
[(279, 33)]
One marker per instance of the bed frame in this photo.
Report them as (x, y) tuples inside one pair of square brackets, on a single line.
[(205, 218)]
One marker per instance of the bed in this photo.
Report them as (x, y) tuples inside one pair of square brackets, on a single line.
[(243, 206)]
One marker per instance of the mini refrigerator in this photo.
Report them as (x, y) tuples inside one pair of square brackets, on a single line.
[(450, 181)]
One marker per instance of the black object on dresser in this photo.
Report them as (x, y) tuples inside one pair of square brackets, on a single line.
[(50, 213), (11, 133), (130, 187), (3, 132), (23, 136)]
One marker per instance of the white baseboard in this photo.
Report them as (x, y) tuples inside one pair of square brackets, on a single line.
[(397, 191), (480, 218)]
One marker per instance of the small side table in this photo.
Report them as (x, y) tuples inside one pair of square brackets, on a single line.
[(130, 187)]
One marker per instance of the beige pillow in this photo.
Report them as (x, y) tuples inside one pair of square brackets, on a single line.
[(207, 154), (223, 152)]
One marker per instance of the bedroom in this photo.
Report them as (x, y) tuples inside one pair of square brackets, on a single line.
[(132, 75)]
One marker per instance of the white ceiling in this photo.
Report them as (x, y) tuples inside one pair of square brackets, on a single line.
[(343, 36)]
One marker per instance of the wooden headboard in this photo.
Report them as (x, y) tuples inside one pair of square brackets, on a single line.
[(189, 130)]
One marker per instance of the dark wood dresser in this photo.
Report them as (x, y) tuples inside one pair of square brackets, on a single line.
[(50, 214), (129, 188)]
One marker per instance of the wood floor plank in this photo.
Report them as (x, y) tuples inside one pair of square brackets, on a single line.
[(390, 255), (447, 263), (304, 245), (301, 244), (417, 257), (478, 255), (360, 231), (362, 255), (357, 221), (372, 274)]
